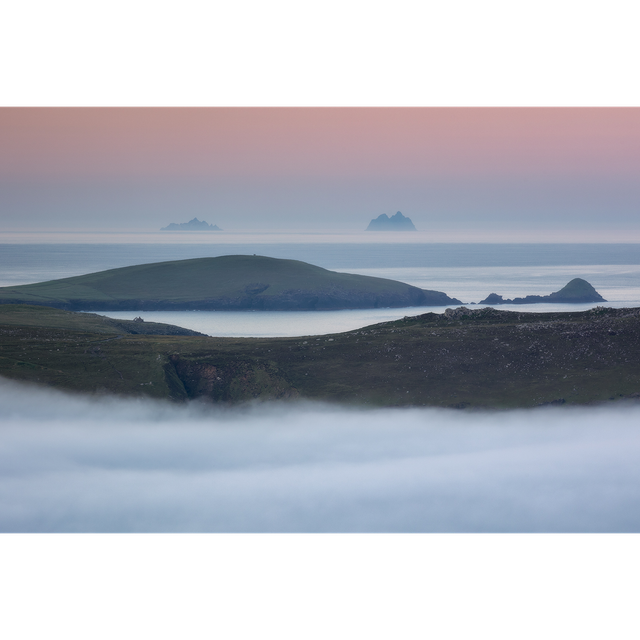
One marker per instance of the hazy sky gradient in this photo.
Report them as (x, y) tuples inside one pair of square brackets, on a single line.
[(460, 169)]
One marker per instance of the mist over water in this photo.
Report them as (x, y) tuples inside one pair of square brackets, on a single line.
[(71, 463)]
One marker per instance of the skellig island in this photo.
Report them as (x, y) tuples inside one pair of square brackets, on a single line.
[(577, 291), (223, 283), (398, 222), (192, 225)]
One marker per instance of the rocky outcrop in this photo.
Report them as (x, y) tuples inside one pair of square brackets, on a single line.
[(227, 380), (577, 291)]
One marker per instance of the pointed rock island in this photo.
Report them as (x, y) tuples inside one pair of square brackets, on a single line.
[(223, 283), (577, 291), (398, 222)]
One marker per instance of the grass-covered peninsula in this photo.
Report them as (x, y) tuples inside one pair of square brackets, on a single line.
[(226, 282), (463, 358)]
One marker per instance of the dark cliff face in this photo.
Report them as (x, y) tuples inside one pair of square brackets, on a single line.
[(227, 379)]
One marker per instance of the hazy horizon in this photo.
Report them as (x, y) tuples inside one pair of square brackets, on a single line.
[(461, 174)]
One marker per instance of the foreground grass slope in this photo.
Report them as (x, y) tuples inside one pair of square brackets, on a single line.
[(481, 358), (24, 315), (226, 282)]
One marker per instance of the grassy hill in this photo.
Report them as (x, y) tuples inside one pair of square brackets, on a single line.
[(227, 282), (464, 358), (25, 315)]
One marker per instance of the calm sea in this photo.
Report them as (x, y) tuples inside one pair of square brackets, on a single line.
[(468, 272)]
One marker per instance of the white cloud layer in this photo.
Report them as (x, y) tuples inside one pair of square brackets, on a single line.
[(71, 464)]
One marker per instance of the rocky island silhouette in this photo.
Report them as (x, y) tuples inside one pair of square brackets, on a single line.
[(576, 291), (192, 225), (397, 222)]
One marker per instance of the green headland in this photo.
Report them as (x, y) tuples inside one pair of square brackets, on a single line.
[(483, 358), (226, 282)]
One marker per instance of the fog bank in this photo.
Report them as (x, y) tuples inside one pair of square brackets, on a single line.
[(70, 463)]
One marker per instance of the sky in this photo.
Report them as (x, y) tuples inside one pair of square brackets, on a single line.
[(565, 174)]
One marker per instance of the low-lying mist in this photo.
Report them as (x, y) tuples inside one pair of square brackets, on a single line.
[(71, 463)]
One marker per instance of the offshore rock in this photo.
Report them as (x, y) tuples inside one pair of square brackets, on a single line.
[(577, 291), (192, 225), (398, 222)]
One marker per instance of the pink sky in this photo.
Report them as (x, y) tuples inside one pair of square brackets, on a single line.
[(194, 142), (261, 167)]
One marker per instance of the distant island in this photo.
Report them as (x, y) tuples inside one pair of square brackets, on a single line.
[(192, 225), (398, 222), (576, 291)]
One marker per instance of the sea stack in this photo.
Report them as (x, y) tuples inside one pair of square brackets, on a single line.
[(576, 291)]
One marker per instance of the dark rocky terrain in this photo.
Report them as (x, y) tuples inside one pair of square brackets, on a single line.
[(482, 358)]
